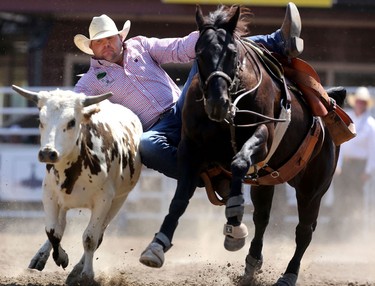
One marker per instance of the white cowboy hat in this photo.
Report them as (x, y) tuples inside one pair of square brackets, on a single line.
[(362, 93), (100, 27)]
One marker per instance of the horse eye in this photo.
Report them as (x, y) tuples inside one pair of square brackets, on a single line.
[(71, 123), (218, 47), (41, 125)]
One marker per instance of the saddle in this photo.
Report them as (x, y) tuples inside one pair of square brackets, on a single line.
[(306, 80), (339, 124)]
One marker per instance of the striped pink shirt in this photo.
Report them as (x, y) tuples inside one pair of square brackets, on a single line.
[(141, 85)]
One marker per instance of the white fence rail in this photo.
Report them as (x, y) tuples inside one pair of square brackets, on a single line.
[(20, 171), (20, 111)]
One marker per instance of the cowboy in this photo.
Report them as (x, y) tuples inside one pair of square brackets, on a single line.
[(357, 160), (131, 70)]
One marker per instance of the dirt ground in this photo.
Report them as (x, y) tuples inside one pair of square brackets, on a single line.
[(197, 260)]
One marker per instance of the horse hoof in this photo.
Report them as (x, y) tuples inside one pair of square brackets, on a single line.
[(153, 255), (246, 281), (253, 265), (235, 236), (233, 244), (81, 280), (288, 279)]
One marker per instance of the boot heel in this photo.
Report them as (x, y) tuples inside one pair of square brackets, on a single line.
[(294, 47)]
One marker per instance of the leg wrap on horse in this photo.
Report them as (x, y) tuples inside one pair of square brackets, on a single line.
[(253, 265), (153, 255), (164, 240), (235, 207), (235, 235)]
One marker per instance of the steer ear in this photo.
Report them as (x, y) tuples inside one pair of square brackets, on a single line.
[(30, 95), (96, 99)]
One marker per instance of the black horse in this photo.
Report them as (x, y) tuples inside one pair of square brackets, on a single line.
[(239, 115)]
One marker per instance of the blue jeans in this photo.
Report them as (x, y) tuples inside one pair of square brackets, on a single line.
[(158, 146)]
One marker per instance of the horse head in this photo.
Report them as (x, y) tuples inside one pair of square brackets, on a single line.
[(216, 54)]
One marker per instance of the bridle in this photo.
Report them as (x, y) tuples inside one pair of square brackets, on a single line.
[(231, 82), (233, 86)]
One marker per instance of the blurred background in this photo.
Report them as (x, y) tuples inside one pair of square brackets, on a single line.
[(37, 52)]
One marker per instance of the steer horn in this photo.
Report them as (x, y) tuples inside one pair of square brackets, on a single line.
[(96, 98), (30, 95)]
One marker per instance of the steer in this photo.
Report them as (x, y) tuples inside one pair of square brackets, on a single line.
[(90, 147)]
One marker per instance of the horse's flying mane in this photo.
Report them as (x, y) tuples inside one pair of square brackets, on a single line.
[(221, 16)]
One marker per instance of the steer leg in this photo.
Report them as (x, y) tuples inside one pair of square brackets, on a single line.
[(102, 213), (252, 152), (55, 222), (55, 227), (40, 258)]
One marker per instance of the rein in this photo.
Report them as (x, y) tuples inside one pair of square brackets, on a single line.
[(233, 109), (204, 86), (284, 118)]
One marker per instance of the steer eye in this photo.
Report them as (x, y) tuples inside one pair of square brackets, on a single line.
[(71, 123)]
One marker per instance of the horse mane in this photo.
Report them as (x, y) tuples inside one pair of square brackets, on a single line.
[(221, 16)]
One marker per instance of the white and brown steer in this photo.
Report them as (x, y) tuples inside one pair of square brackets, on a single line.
[(90, 148)]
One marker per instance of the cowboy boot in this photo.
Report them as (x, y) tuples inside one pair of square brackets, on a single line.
[(291, 31)]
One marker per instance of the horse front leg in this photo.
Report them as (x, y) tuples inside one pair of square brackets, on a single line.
[(304, 231), (261, 196), (310, 186), (308, 211), (253, 151), (189, 166)]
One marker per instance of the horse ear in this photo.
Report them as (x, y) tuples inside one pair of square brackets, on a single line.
[(199, 17), (232, 23)]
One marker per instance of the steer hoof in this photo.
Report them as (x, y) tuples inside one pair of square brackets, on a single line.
[(153, 255), (235, 236)]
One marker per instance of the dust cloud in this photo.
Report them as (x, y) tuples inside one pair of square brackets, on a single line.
[(340, 254)]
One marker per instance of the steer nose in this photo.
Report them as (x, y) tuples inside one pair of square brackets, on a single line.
[(48, 155)]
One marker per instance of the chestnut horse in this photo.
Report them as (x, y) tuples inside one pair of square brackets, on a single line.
[(230, 118)]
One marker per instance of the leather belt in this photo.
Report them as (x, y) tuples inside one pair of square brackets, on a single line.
[(165, 113), (162, 115)]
